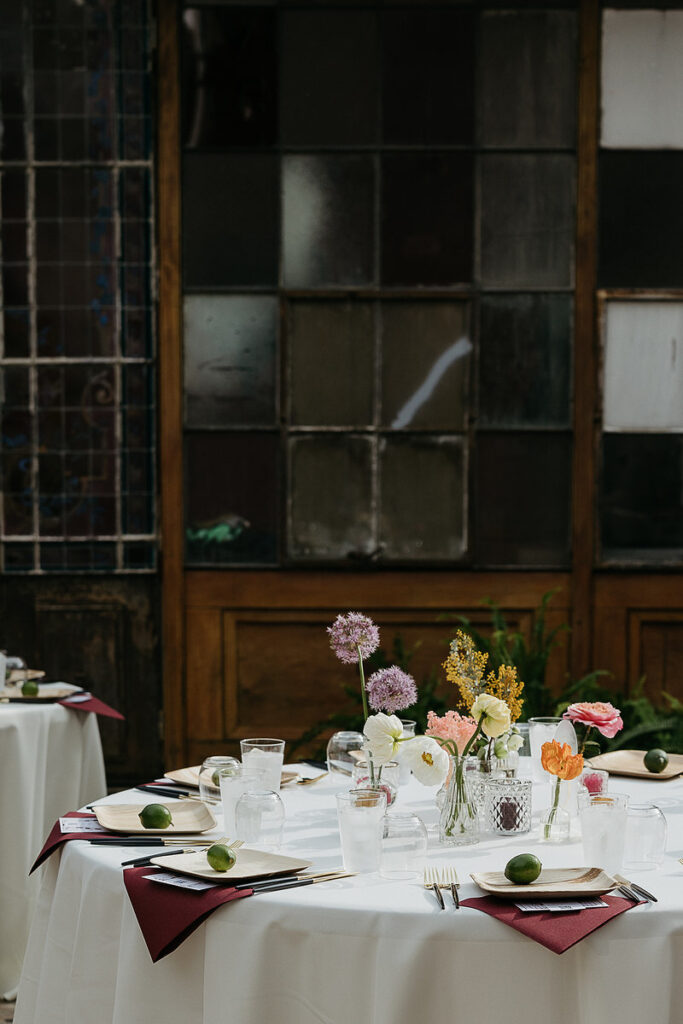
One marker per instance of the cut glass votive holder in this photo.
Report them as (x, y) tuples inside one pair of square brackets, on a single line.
[(507, 806)]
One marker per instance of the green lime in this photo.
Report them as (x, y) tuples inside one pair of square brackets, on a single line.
[(30, 688), (656, 760), (523, 868), (155, 816), (220, 857)]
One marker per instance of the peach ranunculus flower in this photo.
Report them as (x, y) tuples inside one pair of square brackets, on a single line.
[(450, 726), (596, 715), (557, 758)]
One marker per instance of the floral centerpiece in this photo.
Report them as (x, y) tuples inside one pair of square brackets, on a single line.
[(353, 638), (490, 702)]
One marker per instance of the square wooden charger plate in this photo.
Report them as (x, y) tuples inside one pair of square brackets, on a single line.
[(250, 864), (189, 816), (553, 882), (46, 694), (190, 776), (630, 764)]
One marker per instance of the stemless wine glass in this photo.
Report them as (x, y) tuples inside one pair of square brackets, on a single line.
[(339, 759), (645, 837), (403, 847), (234, 783), (259, 819), (209, 776)]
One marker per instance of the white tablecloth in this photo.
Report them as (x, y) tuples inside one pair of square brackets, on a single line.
[(357, 951), (50, 762)]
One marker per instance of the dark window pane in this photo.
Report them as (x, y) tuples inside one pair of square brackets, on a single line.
[(329, 78), (522, 499), (423, 492), (14, 241), (528, 79), (232, 498), (425, 365), (341, 337), (15, 284), (527, 221), (641, 219), (330, 497), (327, 220), (427, 211), (230, 353), (525, 360), (15, 389), (18, 557), (229, 77), (13, 195), (13, 140), (428, 76), (230, 220), (641, 504), (16, 333), (46, 138)]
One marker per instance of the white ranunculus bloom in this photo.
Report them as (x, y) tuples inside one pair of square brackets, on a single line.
[(515, 742), (428, 761), (382, 733), (495, 712)]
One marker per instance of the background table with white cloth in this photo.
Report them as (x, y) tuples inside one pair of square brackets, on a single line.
[(50, 762), (361, 950)]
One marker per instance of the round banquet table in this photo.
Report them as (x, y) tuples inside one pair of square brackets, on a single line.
[(50, 762), (360, 950)]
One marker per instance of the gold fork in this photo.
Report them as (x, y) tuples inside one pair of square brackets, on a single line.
[(431, 881), (308, 782)]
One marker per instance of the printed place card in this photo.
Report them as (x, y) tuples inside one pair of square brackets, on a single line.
[(181, 881), (80, 825), (562, 905)]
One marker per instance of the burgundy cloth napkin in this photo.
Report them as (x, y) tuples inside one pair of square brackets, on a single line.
[(166, 915), (94, 704), (57, 837), (556, 930)]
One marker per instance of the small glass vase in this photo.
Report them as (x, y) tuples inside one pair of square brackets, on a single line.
[(459, 821), (371, 776), (555, 820)]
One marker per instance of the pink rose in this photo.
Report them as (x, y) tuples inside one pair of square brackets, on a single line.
[(599, 715)]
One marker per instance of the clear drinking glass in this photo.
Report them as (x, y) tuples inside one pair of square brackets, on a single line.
[(386, 778), (645, 837), (267, 755), (259, 819), (360, 813), (234, 782), (403, 850), (339, 760), (209, 781), (541, 730), (603, 827)]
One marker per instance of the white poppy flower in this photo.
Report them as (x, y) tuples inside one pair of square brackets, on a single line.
[(515, 742), (382, 733), (428, 760)]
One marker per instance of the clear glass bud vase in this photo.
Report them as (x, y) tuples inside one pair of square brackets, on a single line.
[(459, 821)]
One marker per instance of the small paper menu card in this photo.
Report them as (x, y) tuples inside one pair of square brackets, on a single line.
[(85, 828)]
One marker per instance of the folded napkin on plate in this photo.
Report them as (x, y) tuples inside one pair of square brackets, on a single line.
[(557, 932), (57, 837), (94, 704), (167, 915)]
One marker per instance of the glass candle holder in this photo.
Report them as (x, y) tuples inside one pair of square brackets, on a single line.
[(645, 837), (507, 806), (595, 780), (386, 778), (209, 776)]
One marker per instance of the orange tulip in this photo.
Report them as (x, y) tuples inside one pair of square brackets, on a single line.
[(557, 758)]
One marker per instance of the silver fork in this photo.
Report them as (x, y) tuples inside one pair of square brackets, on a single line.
[(431, 881), (448, 878)]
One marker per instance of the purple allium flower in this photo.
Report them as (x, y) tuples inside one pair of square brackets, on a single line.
[(391, 690), (351, 632)]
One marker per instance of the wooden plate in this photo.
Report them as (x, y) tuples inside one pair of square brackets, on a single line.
[(19, 675), (190, 777), (630, 764), (46, 694), (250, 864), (189, 817), (551, 882)]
